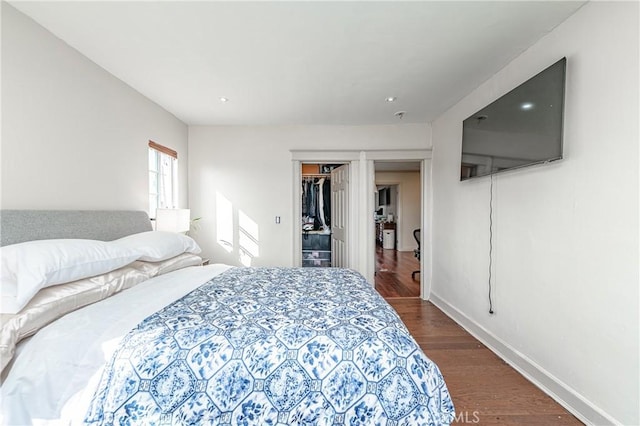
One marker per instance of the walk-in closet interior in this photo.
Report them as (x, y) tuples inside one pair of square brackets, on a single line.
[(316, 214)]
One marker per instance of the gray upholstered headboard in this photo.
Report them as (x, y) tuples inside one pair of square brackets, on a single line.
[(17, 226)]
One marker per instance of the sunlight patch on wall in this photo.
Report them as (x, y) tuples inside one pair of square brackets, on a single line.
[(224, 222), (248, 238)]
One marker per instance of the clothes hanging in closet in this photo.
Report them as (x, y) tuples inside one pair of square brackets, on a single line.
[(327, 201), (316, 203), (321, 203)]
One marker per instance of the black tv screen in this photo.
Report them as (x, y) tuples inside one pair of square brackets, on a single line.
[(521, 128)]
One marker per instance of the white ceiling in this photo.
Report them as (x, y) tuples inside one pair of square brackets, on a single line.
[(284, 63)]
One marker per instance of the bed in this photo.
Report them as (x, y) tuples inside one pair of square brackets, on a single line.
[(154, 337)]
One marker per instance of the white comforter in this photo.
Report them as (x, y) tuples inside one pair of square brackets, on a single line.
[(54, 375)]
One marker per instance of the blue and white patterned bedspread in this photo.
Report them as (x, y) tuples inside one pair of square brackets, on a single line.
[(273, 346)]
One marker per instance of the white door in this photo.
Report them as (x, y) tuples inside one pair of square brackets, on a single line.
[(339, 215)]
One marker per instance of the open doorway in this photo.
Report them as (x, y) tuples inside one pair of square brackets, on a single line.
[(324, 214), (398, 218)]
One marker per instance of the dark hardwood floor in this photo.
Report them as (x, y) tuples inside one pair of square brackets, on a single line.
[(393, 273), (485, 390)]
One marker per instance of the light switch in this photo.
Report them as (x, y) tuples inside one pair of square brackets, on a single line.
[(278, 219)]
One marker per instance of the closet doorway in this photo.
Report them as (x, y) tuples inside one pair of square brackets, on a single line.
[(324, 208), (398, 213)]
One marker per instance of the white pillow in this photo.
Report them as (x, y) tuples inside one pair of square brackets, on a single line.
[(30, 266), (156, 246)]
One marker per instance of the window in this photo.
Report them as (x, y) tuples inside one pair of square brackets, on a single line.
[(163, 178)]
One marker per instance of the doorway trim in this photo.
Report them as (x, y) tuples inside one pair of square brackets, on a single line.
[(351, 158), (424, 157), (361, 205)]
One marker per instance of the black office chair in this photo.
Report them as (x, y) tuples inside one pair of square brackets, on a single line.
[(416, 252)]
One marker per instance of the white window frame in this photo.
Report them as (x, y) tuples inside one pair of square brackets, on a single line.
[(157, 155)]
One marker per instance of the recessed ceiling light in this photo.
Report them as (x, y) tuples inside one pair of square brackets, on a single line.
[(527, 106), (223, 99), (391, 99)]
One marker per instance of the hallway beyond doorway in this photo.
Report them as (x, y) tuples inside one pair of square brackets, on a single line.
[(393, 273)]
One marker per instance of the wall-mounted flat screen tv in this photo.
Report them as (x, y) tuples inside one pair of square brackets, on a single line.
[(522, 128)]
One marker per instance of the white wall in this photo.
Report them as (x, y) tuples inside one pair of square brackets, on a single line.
[(73, 135), (407, 206), (251, 167), (565, 235)]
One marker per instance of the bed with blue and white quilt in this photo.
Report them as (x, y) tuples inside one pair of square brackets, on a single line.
[(220, 345), (268, 346)]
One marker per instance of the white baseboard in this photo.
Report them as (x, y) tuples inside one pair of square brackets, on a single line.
[(575, 403)]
